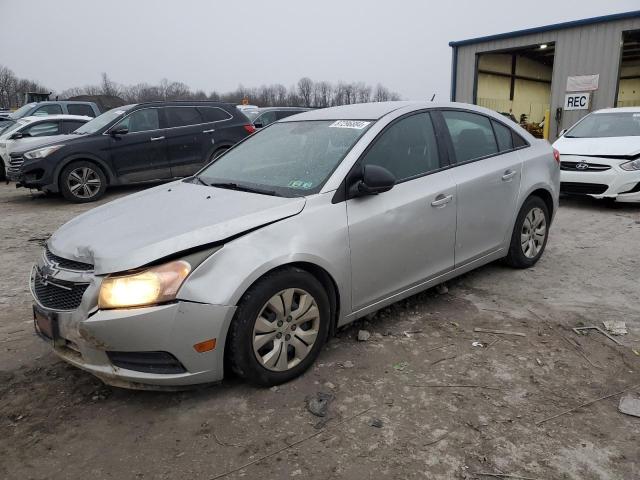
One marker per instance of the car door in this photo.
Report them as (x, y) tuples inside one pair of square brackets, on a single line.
[(186, 135), (405, 236), (140, 154), (488, 182), (217, 131)]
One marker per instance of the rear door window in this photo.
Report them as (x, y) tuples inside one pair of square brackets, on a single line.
[(182, 116), (471, 135), (53, 109), (213, 114), (408, 148), (80, 109), (503, 136), (72, 125)]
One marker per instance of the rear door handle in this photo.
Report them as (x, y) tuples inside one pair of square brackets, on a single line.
[(508, 175), (155, 139), (441, 200), (209, 131)]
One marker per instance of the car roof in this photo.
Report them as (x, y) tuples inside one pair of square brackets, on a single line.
[(66, 102), (375, 110), (285, 109), (62, 116), (181, 103), (619, 110)]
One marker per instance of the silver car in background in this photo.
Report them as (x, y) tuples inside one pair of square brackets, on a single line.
[(305, 226)]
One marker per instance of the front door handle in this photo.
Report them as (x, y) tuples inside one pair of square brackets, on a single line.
[(155, 139), (441, 200), (209, 131), (508, 175)]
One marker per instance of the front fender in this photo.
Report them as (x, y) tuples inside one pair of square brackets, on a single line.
[(318, 235), (106, 168)]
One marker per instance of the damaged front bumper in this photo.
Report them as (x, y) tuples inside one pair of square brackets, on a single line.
[(141, 348)]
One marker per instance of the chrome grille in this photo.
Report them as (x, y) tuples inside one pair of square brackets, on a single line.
[(15, 165), (57, 294), (584, 167), (65, 263)]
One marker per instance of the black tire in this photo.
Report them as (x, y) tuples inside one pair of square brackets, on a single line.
[(240, 340), (516, 257), (3, 173), (92, 190)]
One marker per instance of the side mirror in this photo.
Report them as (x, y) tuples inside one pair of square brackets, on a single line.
[(562, 132), (119, 131), (375, 179), (258, 125), (16, 136)]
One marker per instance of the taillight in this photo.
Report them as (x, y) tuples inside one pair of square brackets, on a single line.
[(556, 155), (249, 128)]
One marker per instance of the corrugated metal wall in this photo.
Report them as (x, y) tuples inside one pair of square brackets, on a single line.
[(584, 50)]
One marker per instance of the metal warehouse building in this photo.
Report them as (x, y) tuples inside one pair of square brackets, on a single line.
[(549, 77)]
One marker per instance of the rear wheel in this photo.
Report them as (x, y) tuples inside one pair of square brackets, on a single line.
[(82, 182), (530, 234), (217, 153), (279, 327)]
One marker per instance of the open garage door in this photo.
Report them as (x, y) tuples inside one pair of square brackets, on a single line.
[(517, 83), (629, 81)]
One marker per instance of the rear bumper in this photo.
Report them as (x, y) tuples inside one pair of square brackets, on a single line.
[(173, 328), (615, 183)]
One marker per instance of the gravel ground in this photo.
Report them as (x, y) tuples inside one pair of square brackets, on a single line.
[(415, 400)]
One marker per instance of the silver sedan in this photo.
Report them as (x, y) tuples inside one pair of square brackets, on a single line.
[(309, 224)]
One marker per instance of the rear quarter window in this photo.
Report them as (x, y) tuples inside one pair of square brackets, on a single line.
[(214, 114)]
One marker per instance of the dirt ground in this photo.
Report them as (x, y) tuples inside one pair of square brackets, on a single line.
[(416, 400)]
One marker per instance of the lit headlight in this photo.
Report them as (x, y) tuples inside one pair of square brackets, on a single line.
[(146, 287), (632, 165), (42, 152)]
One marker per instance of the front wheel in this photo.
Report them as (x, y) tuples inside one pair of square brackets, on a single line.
[(82, 182), (530, 234), (279, 327)]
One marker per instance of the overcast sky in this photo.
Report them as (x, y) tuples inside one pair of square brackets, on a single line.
[(209, 44)]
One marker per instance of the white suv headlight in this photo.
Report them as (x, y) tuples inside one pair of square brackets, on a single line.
[(146, 287), (632, 165), (42, 152)]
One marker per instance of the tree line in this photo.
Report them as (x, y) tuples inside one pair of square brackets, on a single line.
[(305, 93), (13, 88)]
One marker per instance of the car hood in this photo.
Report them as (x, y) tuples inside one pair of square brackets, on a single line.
[(140, 228), (25, 144), (609, 146)]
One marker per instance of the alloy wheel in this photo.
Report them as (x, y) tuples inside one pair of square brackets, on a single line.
[(84, 182), (534, 232), (286, 329)]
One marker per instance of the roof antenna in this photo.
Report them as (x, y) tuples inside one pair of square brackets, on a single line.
[(434, 96)]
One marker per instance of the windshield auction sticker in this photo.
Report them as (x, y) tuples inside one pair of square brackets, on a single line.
[(357, 124)]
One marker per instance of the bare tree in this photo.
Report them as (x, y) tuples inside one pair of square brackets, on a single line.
[(108, 87), (305, 91)]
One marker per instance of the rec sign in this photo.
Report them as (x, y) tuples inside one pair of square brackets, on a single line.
[(577, 101)]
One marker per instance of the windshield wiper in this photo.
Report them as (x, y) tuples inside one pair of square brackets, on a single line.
[(242, 188)]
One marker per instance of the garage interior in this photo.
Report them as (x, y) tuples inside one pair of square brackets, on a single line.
[(629, 81), (517, 83)]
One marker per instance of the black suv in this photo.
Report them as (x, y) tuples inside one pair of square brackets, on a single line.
[(136, 143)]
